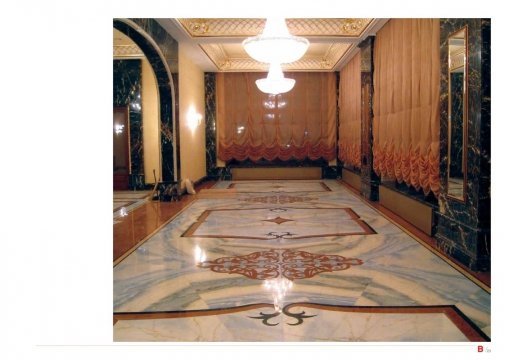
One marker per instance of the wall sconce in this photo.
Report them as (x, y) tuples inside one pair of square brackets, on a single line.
[(119, 129), (193, 119)]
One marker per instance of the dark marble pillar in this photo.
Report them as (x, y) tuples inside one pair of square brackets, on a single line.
[(369, 180), (463, 229), (334, 171), (210, 126), (127, 93), (161, 50)]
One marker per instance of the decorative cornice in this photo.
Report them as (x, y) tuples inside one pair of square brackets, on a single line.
[(127, 51), (214, 27), (325, 62), (220, 40)]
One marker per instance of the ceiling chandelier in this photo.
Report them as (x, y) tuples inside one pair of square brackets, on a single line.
[(275, 82), (275, 44)]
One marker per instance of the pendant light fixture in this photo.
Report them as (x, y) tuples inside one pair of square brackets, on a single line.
[(275, 82), (275, 44)]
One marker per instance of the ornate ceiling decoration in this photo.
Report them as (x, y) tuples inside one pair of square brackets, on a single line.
[(124, 47), (220, 40), (324, 62), (252, 27), (123, 51)]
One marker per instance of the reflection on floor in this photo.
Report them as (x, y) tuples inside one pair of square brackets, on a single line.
[(323, 266), (126, 201)]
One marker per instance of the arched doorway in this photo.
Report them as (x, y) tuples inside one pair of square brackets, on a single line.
[(150, 38)]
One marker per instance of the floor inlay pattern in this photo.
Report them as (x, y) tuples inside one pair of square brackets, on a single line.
[(291, 264), (279, 199), (289, 186), (278, 223), (332, 250), (301, 322)]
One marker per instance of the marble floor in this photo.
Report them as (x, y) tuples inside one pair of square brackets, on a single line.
[(291, 261)]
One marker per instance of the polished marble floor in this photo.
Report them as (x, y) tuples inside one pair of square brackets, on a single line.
[(291, 261)]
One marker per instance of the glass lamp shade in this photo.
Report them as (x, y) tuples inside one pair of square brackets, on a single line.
[(275, 44), (275, 82)]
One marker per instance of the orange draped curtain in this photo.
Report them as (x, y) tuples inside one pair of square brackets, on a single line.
[(297, 125), (350, 113), (406, 124)]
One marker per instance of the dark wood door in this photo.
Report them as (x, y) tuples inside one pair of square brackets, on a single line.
[(121, 158)]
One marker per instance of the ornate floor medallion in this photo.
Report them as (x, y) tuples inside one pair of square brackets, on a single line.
[(270, 264), (279, 220)]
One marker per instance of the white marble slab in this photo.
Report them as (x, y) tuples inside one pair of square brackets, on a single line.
[(163, 274), (317, 325)]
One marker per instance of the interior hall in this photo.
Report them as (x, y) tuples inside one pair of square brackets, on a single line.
[(340, 193)]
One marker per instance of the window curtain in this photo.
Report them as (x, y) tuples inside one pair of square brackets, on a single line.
[(349, 149), (297, 125), (406, 102)]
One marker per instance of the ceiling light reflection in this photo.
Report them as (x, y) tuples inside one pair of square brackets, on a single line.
[(274, 102), (278, 287), (199, 254)]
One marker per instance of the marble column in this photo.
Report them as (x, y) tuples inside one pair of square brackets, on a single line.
[(161, 50), (333, 169), (210, 126), (369, 180), (463, 229)]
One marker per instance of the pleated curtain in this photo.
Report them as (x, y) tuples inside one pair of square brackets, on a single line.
[(406, 103), (349, 149), (297, 125)]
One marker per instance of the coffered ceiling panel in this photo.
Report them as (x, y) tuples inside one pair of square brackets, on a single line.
[(252, 27), (124, 47), (332, 41)]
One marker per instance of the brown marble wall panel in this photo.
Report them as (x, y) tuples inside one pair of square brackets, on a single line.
[(463, 229)]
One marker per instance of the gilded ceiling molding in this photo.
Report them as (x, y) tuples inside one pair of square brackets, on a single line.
[(327, 27), (216, 53), (127, 51), (334, 53), (214, 27), (325, 62), (222, 27)]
